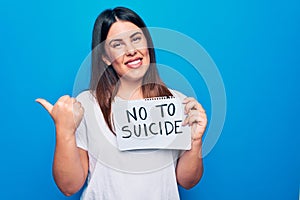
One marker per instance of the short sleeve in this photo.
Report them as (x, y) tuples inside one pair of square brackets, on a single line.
[(178, 94), (81, 135)]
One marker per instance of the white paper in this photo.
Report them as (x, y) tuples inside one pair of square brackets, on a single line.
[(154, 123)]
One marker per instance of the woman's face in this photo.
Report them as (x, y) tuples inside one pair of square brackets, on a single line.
[(127, 51)]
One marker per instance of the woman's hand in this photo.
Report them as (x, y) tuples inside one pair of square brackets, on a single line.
[(66, 113), (196, 117), (189, 168), (70, 163)]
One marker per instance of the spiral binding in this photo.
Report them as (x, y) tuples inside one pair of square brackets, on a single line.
[(159, 98)]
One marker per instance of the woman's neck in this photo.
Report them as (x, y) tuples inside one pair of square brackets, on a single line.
[(130, 90)]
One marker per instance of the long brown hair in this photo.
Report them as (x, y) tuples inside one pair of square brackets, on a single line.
[(104, 79)]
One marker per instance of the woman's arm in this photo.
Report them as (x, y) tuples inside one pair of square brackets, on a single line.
[(189, 168), (70, 164)]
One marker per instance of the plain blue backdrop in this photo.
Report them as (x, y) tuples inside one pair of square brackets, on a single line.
[(255, 45)]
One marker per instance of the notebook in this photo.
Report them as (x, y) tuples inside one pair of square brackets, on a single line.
[(152, 123)]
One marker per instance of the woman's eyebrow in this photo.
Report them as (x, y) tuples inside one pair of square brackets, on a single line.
[(136, 33), (131, 36), (115, 40)]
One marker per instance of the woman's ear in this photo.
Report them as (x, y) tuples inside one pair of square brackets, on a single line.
[(106, 60)]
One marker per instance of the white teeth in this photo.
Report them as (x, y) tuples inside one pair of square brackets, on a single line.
[(135, 62)]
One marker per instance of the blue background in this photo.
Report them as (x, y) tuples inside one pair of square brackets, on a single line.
[(255, 45)]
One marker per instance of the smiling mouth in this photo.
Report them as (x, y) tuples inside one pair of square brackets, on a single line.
[(134, 63)]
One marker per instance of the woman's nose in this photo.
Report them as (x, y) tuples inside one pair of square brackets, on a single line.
[(130, 49)]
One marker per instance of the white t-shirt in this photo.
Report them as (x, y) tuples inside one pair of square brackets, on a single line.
[(122, 175)]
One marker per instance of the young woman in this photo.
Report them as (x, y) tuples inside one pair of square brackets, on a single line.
[(123, 68)]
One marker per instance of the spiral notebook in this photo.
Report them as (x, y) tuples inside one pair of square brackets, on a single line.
[(152, 123)]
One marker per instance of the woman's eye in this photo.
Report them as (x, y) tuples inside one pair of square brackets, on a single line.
[(136, 39), (116, 45)]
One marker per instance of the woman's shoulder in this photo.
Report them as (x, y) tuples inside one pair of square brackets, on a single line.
[(86, 95), (177, 93)]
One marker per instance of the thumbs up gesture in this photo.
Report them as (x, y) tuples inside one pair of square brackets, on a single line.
[(66, 113)]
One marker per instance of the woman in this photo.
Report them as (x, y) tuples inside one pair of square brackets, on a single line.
[(123, 68)]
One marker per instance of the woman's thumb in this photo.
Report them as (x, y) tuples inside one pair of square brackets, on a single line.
[(48, 106)]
